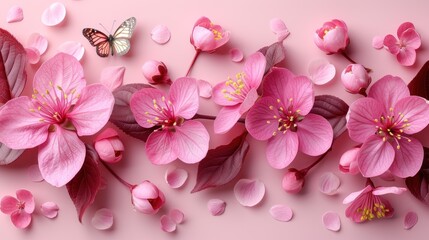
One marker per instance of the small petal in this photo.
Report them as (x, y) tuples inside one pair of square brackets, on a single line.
[(331, 221), (112, 77), (216, 206), (236, 55), (406, 56), (410, 220), (72, 48), (102, 219), (321, 71), (386, 190), (49, 209), (377, 42), (39, 42), (391, 43), (278, 27), (226, 119), (54, 14), (281, 213), (168, 224), (15, 14), (33, 55), (177, 216), (329, 183), (175, 178), (204, 89), (404, 27), (355, 195), (34, 174), (249, 192), (21, 219), (160, 34), (9, 204)]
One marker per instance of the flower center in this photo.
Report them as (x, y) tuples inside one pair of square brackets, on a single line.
[(287, 117), (20, 205), (235, 89), (216, 33), (392, 127), (164, 115), (374, 208)]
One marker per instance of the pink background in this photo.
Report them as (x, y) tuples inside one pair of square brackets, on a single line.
[(248, 22)]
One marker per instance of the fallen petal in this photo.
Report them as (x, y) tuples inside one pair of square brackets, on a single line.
[(236, 55), (331, 221), (249, 192), (177, 216), (103, 219), (167, 224), (72, 48), (15, 14), (38, 42), (54, 14), (321, 71), (279, 28), (329, 183), (377, 42), (33, 55), (112, 77), (216, 206), (160, 34), (34, 174), (281, 213), (175, 178), (204, 89), (49, 209), (410, 220)]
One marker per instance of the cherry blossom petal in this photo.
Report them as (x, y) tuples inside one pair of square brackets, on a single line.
[(331, 221), (249, 192), (39, 42), (177, 216), (321, 71), (278, 27), (315, 135), (175, 178), (386, 190), (391, 43), (168, 224), (404, 27), (408, 158), (329, 183), (26, 196), (282, 149), (236, 55), (375, 156), (159, 149), (33, 55), (191, 141), (216, 206), (259, 121), (226, 119), (204, 89), (389, 90), (34, 174), (203, 39), (75, 49), (361, 121), (142, 102), (355, 195), (281, 213), (406, 56), (411, 39), (54, 14), (49, 209), (249, 100), (254, 69), (184, 96), (112, 77), (410, 220), (102, 219), (15, 14), (414, 109), (160, 34), (348, 161), (21, 219), (377, 42), (9, 204)]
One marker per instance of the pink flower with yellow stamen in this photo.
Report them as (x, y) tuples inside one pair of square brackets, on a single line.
[(207, 37)]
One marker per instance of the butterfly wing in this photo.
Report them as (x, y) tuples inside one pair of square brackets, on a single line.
[(98, 40), (121, 42)]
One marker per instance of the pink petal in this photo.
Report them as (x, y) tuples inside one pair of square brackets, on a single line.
[(168, 224), (408, 158), (282, 149), (348, 161), (411, 39), (204, 89), (203, 39), (391, 43), (34, 174), (142, 102), (278, 27), (321, 71), (375, 156), (191, 141), (315, 135), (254, 69), (20, 219), (281, 213), (386, 190), (410, 220), (331, 221), (33, 55), (259, 121), (49, 209), (177, 216), (146, 190), (159, 147), (102, 219), (389, 90), (249, 192), (184, 96), (403, 27), (175, 178), (38, 42), (15, 14), (54, 14), (72, 48), (334, 40), (249, 100), (406, 56), (415, 110), (112, 77), (9, 205), (354, 195), (329, 183), (26, 196), (236, 55), (377, 42), (160, 34), (216, 206), (361, 121), (226, 119)]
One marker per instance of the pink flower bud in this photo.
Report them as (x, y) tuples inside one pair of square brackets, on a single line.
[(332, 37), (156, 72), (355, 78), (147, 198), (348, 161), (207, 36), (293, 181), (108, 146)]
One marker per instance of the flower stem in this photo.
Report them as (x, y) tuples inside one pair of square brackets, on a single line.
[(208, 117), (368, 70), (197, 53), (305, 170), (125, 183)]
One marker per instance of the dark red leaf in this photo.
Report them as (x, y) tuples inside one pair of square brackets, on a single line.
[(13, 59), (274, 54), (334, 110), (221, 164), (418, 185), (83, 188), (122, 116), (420, 84)]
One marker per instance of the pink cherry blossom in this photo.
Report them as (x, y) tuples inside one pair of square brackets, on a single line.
[(405, 46), (177, 136), (384, 122), (332, 37), (355, 79), (282, 116), (19, 208), (238, 96), (147, 198), (108, 146), (61, 109), (207, 36)]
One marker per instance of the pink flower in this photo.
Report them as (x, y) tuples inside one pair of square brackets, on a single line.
[(293, 181), (367, 204), (108, 146), (147, 198), (383, 122), (156, 72), (282, 116), (332, 37), (20, 208), (355, 78), (405, 46), (207, 36), (238, 96), (61, 109), (176, 136)]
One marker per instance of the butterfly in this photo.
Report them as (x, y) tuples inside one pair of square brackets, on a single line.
[(118, 43)]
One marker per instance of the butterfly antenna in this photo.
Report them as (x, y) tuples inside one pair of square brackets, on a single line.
[(105, 29), (113, 24)]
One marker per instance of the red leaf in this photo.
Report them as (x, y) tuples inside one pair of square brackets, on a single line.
[(221, 164), (334, 110), (83, 188), (420, 84), (122, 116), (13, 59), (274, 54), (418, 184)]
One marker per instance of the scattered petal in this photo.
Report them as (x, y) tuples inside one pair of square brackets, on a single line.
[(332, 221), (38, 42), (377, 42), (15, 14), (167, 224), (410, 220), (103, 219), (281, 213), (177, 216), (216, 206), (54, 14), (321, 71), (329, 183), (72, 48), (236, 55), (249, 192), (279, 28), (175, 178), (160, 34), (33, 55), (112, 77), (34, 173), (49, 209), (204, 89)]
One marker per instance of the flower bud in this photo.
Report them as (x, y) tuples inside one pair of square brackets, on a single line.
[(147, 198), (332, 37), (293, 181), (348, 161), (156, 72), (108, 146), (355, 78)]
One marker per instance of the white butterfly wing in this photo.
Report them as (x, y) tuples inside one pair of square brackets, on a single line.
[(121, 43), (121, 46)]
